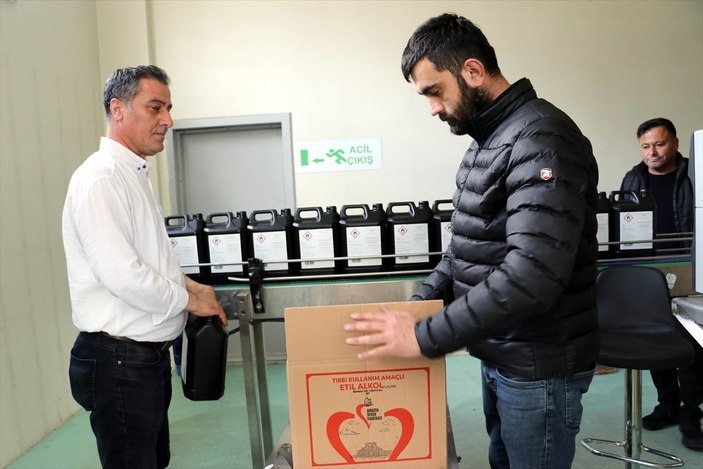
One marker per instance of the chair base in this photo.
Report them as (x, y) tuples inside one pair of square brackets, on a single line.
[(586, 443), (632, 444)]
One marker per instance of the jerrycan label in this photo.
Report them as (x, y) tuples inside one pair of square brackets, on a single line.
[(271, 245), (411, 239), (316, 243), (364, 241), (225, 248), (186, 250), (636, 226), (603, 235), (446, 231)]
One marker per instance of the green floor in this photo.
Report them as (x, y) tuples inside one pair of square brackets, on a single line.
[(215, 434)]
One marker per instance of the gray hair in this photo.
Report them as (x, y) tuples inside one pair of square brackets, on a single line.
[(123, 84)]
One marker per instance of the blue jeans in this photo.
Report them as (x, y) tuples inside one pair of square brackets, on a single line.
[(532, 424), (126, 387)]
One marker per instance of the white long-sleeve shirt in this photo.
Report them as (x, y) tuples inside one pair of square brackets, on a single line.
[(123, 276)]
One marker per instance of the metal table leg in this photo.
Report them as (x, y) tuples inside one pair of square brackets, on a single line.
[(250, 386), (266, 431)]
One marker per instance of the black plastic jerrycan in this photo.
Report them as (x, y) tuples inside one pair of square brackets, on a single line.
[(316, 236), (442, 211), (187, 236), (603, 212), (362, 234), (409, 233), (632, 219), (205, 358), (271, 239), (227, 241)]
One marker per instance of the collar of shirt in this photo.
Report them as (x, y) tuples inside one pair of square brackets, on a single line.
[(125, 156)]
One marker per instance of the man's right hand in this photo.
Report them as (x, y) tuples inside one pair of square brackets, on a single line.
[(202, 300)]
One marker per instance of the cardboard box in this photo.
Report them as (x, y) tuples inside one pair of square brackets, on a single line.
[(386, 413)]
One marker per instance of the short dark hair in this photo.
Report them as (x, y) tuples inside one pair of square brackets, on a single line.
[(657, 122), (123, 84), (447, 41)]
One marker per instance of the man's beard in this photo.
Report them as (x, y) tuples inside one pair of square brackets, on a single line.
[(472, 101)]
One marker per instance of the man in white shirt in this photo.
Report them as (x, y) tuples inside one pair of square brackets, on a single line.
[(128, 293)]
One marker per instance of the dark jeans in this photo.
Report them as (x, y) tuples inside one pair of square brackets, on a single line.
[(126, 387)]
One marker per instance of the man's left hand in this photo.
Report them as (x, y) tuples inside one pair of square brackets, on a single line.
[(392, 332)]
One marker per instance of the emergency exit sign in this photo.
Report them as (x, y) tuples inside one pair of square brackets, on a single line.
[(318, 156)]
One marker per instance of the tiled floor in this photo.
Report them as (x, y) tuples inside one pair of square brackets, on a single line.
[(215, 434)]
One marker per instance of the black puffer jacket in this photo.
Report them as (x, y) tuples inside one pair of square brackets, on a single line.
[(518, 278), (636, 179)]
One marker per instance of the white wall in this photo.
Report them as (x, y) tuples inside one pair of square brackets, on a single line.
[(50, 122), (335, 66)]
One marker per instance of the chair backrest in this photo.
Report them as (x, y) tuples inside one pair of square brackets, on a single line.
[(633, 299)]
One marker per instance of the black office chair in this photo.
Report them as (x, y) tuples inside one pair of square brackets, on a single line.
[(638, 332)]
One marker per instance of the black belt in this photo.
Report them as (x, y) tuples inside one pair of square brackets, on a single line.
[(154, 345)]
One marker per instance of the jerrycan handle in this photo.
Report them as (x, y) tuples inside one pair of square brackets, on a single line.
[(182, 219), (363, 207), (437, 203), (317, 210), (228, 215), (631, 194), (271, 212), (410, 205)]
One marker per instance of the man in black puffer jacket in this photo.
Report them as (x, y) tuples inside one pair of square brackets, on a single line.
[(663, 171), (518, 278)]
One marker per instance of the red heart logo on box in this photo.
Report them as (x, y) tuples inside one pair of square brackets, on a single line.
[(343, 436)]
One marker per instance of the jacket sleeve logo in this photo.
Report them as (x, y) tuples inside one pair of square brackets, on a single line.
[(545, 174)]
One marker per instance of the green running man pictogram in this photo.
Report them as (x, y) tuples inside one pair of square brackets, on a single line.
[(337, 154)]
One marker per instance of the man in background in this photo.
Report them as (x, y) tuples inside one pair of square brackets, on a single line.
[(128, 293), (518, 279), (663, 171)]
